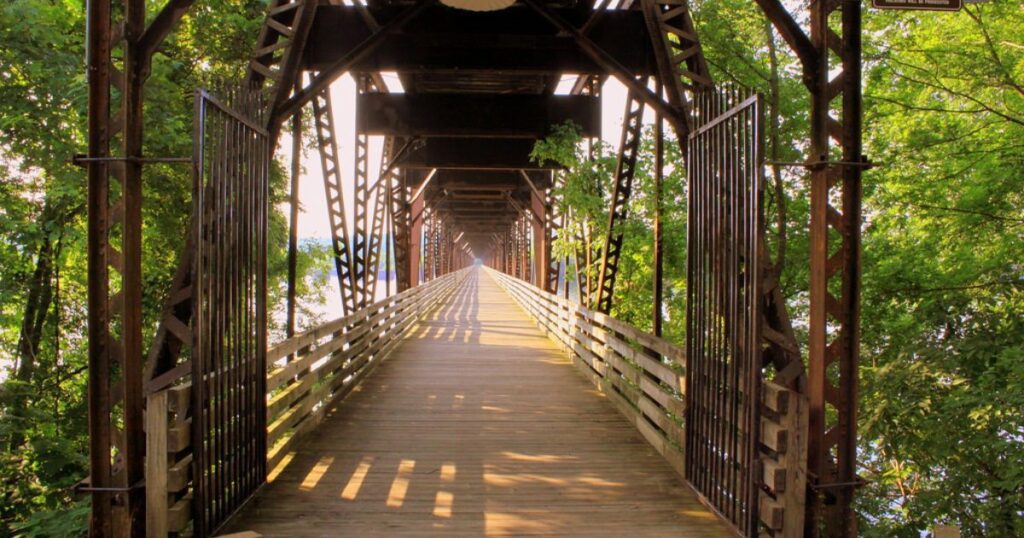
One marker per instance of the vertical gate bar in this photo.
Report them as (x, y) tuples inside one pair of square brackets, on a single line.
[(235, 380), (756, 231), (238, 316), (237, 384), (293, 220), (216, 402), (659, 170), (745, 364), (733, 319), (266, 148), (198, 294)]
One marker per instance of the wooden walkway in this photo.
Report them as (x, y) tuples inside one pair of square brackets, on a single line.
[(476, 426)]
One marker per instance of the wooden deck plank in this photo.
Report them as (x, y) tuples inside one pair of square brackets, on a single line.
[(476, 426)]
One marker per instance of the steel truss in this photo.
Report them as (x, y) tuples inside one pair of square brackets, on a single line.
[(119, 378), (330, 166), (625, 171)]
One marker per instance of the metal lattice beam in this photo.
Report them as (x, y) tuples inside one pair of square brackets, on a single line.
[(334, 192), (625, 171)]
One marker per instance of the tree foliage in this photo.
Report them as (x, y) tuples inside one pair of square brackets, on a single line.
[(43, 424)]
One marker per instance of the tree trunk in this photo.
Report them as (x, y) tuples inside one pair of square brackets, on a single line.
[(37, 305)]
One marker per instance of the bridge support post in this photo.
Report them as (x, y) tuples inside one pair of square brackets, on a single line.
[(415, 237), (541, 245)]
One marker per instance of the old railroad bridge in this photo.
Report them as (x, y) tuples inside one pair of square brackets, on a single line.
[(484, 394)]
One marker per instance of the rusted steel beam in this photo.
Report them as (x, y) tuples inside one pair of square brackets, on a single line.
[(791, 32), (483, 115), (162, 26), (516, 40), (681, 65), (415, 239), (675, 116), (360, 216), (834, 394), (101, 519), (278, 54), (133, 447), (382, 192), (330, 164), (335, 69), (540, 240), (484, 154), (625, 171)]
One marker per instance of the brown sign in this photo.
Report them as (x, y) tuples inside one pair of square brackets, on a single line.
[(925, 5)]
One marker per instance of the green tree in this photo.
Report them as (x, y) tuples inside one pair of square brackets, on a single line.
[(43, 424)]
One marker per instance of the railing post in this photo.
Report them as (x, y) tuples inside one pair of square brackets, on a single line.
[(156, 464)]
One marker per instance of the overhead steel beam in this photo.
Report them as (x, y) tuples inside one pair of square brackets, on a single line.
[(345, 63), (514, 40), (676, 116), (474, 154), (477, 115)]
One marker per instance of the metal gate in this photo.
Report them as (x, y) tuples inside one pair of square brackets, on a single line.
[(230, 192), (725, 227)]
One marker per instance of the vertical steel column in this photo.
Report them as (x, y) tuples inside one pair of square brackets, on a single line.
[(98, 51), (293, 222), (133, 445), (415, 240), (541, 242), (115, 321), (401, 239), (834, 330)]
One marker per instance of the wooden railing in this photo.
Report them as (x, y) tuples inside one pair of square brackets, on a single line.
[(644, 376), (308, 374)]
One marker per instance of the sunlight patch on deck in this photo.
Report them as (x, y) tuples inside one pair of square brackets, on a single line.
[(280, 466), (316, 473), (400, 486), (351, 490)]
